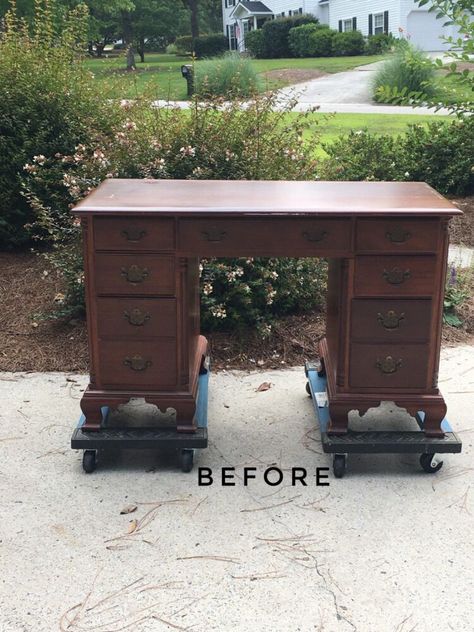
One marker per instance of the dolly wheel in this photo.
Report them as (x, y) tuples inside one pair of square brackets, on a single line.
[(429, 463), (308, 389), (89, 461), (339, 465), (186, 458)]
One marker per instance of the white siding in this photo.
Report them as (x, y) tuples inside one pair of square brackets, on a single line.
[(345, 9)]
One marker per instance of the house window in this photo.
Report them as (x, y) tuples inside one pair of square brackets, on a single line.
[(347, 24), (230, 3), (378, 23)]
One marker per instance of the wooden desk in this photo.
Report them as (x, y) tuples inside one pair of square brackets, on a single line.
[(387, 246)]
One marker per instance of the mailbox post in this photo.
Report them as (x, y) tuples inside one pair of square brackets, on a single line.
[(188, 73)]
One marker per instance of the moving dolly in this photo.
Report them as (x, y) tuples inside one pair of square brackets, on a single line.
[(114, 439), (375, 441)]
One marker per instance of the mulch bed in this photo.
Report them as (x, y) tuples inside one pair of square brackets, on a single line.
[(289, 76), (31, 342)]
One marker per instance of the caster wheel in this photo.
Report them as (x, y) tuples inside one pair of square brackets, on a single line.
[(322, 370), (308, 389), (339, 465), (186, 458), (429, 463), (89, 461)]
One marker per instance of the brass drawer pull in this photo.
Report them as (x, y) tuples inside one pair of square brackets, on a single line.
[(136, 317), (388, 365), (397, 235), (134, 274), (133, 233), (137, 363), (390, 320), (396, 276), (315, 235), (214, 234)]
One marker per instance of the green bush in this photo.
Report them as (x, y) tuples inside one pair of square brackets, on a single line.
[(311, 40), (227, 76), (254, 43), (210, 45), (49, 103), (410, 71), (349, 43), (276, 32), (212, 140), (184, 45), (364, 156), (379, 44), (440, 154)]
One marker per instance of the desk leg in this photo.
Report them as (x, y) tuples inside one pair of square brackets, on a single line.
[(434, 415), (338, 418)]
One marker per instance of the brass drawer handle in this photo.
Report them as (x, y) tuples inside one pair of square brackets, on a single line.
[(137, 363), (398, 235), (315, 235), (134, 274), (214, 234), (136, 317), (388, 365), (133, 233), (390, 320), (396, 276)]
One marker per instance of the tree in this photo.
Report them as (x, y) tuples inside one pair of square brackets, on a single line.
[(193, 6)]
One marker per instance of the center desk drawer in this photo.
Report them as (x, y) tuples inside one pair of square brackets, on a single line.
[(141, 365), (136, 317), (133, 233), (134, 274), (264, 237), (395, 276)]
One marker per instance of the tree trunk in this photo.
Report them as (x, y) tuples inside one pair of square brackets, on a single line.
[(127, 26), (99, 47), (193, 5), (141, 48)]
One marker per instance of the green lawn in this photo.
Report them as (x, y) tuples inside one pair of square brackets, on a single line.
[(330, 127), (160, 75)]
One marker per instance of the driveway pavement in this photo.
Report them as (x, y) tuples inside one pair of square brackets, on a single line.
[(386, 549)]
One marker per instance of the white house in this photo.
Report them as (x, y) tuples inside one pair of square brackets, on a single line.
[(402, 18)]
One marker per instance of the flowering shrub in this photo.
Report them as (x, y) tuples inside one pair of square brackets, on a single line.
[(213, 140), (48, 104)]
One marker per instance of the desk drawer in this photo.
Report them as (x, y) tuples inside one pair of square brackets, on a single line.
[(394, 276), (133, 233), (391, 320), (134, 274), (140, 365), (388, 366), (397, 235), (137, 317), (269, 237)]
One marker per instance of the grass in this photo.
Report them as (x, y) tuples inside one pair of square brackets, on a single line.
[(160, 75), (331, 127)]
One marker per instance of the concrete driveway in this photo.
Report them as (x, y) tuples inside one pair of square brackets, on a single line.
[(386, 549)]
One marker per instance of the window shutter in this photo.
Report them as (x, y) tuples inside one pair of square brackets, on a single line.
[(385, 22), (371, 27), (340, 26), (354, 24)]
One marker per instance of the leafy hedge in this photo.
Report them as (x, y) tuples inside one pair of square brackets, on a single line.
[(210, 45), (440, 154), (276, 32), (349, 43), (311, 40)]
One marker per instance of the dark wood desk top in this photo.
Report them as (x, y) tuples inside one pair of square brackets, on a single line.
[(245, 197)]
